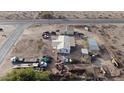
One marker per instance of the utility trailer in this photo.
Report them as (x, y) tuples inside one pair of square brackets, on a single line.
[(25, 65)]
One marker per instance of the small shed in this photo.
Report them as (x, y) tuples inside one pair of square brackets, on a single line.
[(84, 51), (93, 46)]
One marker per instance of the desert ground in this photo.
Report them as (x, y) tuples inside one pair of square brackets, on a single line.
[(7, 30), (12, 15), (31, 45), (28, 45)]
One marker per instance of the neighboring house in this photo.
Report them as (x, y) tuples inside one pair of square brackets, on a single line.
[(93, 46), (63, 44)]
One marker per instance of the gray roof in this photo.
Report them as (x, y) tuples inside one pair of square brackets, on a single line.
[(93, 44)]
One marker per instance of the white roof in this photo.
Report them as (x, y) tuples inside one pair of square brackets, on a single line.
[(63, 42), (84, 51)]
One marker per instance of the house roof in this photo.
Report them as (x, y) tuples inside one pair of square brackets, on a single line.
[(93, 44), (63, 42)]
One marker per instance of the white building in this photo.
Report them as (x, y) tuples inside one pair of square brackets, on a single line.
[(84, 51), (63, 44)]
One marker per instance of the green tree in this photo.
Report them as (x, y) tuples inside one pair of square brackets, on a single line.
[(27, 74), (46, 15), (44, 76)]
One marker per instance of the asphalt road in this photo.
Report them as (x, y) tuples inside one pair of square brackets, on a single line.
[(11, 41), (23, 24), (63, 21)]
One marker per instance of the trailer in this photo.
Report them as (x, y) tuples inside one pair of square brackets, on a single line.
[(25, 65)]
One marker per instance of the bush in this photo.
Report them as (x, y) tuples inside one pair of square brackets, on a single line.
[(40, 44), (45, 15), (61, 17), (27, 74), (44, 76)]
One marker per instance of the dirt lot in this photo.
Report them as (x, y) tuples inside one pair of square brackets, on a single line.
[(7, 29), (32, 46), (112, 37)]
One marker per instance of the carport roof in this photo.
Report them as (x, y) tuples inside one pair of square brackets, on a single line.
[(93, 44)]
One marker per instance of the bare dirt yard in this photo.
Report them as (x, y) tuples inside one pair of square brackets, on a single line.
[(30, 46), (7, 29), (13, 15), (112, 38)]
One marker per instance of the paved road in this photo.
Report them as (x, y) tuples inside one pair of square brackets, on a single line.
[(63, 21), (22, 24), (11, 40)]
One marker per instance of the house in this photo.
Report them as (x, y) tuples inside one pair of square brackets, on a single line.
[(93, 46), (63, 44)]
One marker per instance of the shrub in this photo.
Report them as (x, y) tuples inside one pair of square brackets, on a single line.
[(27, 74), (44, 76), (45, 15)]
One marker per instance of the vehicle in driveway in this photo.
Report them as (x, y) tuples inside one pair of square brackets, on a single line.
[(46, 35), (53, 33), (17, 60), (1, 29)]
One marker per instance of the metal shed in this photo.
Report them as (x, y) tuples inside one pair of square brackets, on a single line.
[(93, 44)]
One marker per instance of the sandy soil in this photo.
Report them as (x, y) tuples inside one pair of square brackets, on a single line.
[(60, 14), (114, 36), (7, 29), (27, 46)]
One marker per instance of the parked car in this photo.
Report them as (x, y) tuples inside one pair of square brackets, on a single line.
[(1, 29), (46, 35), (53, 33), (57, 30), (46, 59), (17, 60)]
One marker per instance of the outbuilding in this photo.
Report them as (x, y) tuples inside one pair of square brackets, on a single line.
[(84, 51), (93, 46), (85, 56)]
